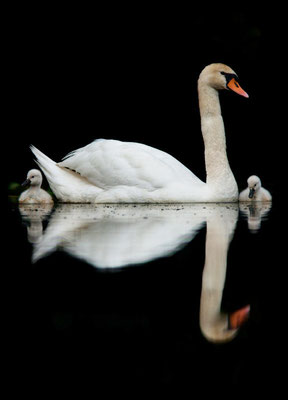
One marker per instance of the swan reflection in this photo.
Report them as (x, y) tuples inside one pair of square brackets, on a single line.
[(116, 236), (215, 325), (255, 213)]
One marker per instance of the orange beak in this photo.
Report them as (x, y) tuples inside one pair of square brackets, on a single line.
[(234, 85), (237, 318)]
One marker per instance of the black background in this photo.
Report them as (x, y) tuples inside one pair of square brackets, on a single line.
[(73, 75), (77, 75)]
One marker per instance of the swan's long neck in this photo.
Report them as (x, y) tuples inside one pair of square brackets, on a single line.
[(218, 170)]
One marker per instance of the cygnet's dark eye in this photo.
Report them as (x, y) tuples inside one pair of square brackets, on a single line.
[(33, 176), (255, 185)]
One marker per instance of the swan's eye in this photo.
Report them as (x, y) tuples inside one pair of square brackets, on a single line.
[(255, 185), (33, 176), (229, 76)]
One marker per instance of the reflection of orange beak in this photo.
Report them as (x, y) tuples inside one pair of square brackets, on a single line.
[(234, 85), (237, 318)]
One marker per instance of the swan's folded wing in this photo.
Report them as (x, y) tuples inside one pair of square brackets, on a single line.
[(110, 163)]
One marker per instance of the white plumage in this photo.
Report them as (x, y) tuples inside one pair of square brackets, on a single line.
[(255, 191), (34, 194), (111, 171)]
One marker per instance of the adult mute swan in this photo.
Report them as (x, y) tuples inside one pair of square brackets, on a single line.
[(34, 194), (254, 191), (111, 171)]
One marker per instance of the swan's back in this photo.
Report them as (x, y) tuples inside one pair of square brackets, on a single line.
[(111, 163)]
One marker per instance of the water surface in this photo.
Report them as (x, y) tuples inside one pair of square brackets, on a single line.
[(143, 293)]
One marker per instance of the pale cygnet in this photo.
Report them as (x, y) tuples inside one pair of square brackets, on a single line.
[(34, 194), (254, 191)]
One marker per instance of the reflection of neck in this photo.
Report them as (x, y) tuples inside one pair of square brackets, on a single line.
[(213, 131), (213, 323)]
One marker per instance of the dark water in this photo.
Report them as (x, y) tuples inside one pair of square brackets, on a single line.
[(141, 295)]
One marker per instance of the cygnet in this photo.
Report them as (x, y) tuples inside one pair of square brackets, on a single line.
[(254, 191), (34, 194)]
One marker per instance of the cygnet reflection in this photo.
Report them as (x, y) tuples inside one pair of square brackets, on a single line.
[(34, 215), (255, 213)]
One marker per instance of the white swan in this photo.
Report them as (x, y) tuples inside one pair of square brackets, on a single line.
[(110, 171), (255, 191), (34, 194)]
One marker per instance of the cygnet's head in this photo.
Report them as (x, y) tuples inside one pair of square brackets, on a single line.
[(254, 184), (220, 76), (34, 178)]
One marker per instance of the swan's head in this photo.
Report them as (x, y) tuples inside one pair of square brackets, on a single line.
[(254, 184), (220, 76), (34, 178)]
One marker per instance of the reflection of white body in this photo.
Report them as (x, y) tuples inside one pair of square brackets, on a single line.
[(254, 191), (120, 235), (110, 171)]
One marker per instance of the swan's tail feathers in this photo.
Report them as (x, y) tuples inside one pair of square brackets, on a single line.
[(67, 185), (54, 174), (47, 165)]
